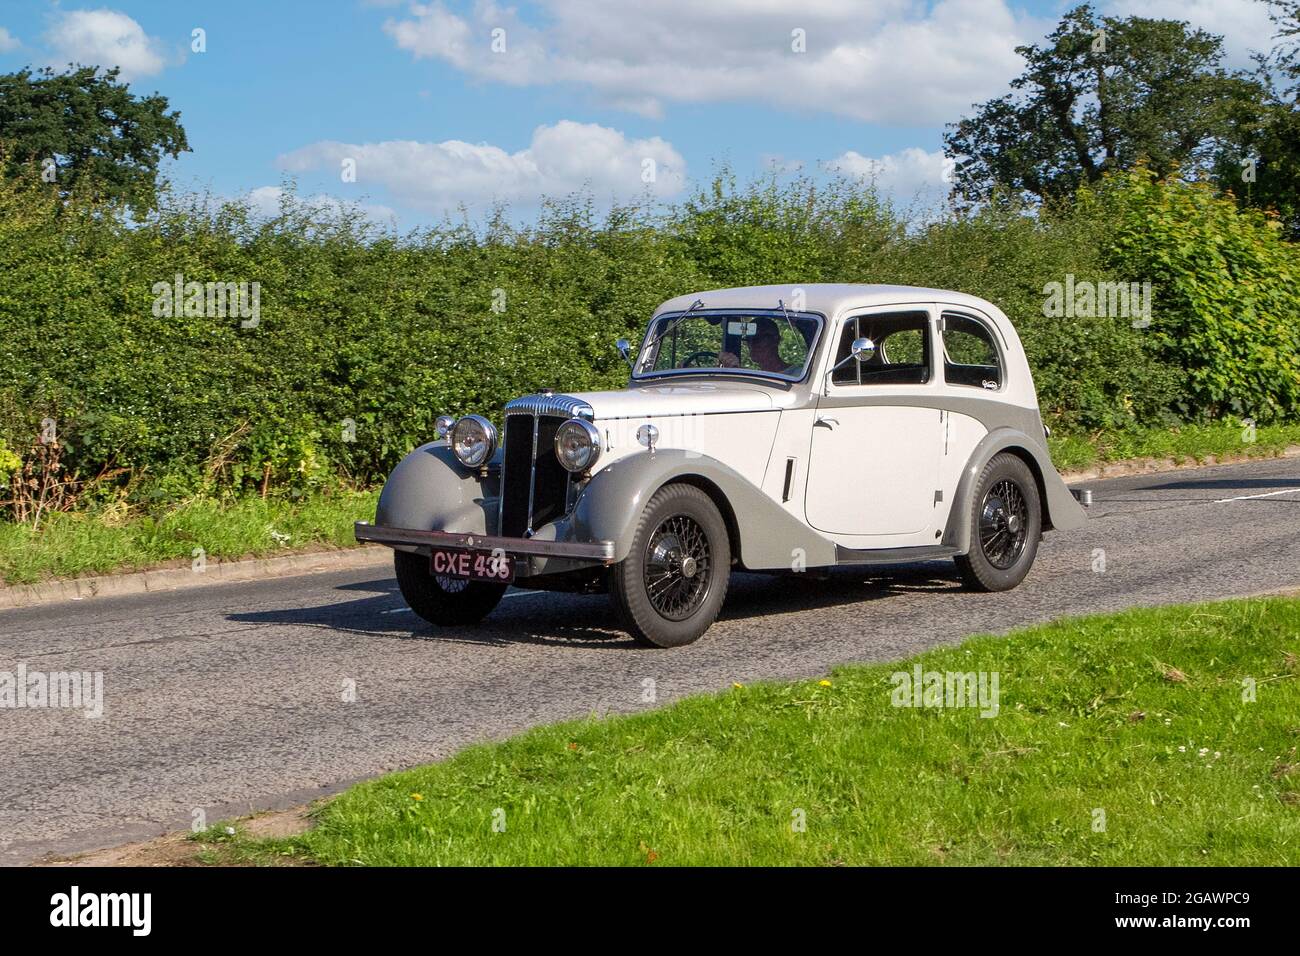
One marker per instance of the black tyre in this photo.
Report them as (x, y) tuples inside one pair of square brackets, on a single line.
[(672, 584), (440, 600), (1006, 522)]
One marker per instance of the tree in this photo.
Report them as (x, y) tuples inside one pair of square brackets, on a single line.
[(1264, 169), (101, 137), (1103, 94)]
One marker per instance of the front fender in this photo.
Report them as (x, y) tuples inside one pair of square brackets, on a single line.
[(430, 490), (766, 535), (1060, 509)]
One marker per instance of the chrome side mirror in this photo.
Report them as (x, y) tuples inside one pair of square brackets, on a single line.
[(861, 350), (625, 349)]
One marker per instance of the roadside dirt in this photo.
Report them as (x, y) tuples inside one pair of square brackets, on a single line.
[(177, 849)]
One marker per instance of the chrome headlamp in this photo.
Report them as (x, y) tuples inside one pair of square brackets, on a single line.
[(473, 439), (442, 426), (577, 445)]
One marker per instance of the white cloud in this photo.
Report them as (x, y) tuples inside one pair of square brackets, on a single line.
[(561, 159), (888, 61), (1243, 24), (8, 41), (266, 202), (105, 38), (910, 176)]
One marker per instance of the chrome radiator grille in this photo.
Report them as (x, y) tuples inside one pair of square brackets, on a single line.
[(534, 486)]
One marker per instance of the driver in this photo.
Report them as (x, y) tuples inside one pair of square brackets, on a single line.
[(764, 349)]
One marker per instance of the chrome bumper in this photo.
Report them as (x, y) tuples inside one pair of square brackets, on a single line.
[(588, 551)]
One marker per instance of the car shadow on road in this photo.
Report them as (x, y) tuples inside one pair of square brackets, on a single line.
[(1194, 484), (588, 621)]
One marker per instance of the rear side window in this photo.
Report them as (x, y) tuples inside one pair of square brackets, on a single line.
[(970, 356)]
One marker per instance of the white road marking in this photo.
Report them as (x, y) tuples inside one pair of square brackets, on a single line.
[(1270, 494)]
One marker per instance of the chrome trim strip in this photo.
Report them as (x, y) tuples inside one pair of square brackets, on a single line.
[(532, 476), (501, 495), (595, 550)]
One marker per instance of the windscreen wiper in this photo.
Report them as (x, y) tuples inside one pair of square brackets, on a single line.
[(697, 304), (788, 321)]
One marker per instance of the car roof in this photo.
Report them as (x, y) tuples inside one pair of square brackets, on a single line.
[(827, 298)]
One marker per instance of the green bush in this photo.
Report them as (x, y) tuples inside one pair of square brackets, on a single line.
[(364, 336), (1224, 285)]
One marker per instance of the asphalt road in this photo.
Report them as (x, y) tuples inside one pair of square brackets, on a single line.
[(229, 698)]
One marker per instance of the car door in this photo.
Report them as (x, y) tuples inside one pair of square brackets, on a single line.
[(877, 437)]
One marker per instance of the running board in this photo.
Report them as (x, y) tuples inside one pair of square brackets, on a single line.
[(926, 552)]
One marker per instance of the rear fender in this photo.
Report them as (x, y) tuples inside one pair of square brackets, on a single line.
[(1061, 511)]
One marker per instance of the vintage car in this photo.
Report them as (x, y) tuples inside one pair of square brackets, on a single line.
[(767, 429)]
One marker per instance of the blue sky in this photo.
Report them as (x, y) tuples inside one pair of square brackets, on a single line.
[(576, 93)]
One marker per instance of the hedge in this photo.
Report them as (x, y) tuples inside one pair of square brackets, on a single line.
[(365, 336)]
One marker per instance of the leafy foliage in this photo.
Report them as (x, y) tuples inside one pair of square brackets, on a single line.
[(104, 139), (1224, 283), (365, 337), (1103, 94)]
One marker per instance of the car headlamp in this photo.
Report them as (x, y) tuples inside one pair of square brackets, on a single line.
[(577, 445), (473, 440)]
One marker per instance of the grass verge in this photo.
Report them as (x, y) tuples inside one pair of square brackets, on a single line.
[(1187, 443), (67, 545), (1125, 739)]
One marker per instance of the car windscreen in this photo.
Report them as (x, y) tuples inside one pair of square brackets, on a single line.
[(765, 343)]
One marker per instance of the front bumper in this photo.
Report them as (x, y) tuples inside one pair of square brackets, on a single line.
[(602, 551)]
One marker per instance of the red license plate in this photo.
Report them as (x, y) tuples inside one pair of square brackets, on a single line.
[(494, 566)]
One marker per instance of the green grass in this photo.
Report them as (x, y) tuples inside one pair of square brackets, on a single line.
[(1139, 714), (1187, 443), (67, 545)]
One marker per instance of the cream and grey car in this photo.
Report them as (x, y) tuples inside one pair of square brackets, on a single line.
[(768, 429)]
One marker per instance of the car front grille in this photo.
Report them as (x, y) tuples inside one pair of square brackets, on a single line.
[(534, 486)]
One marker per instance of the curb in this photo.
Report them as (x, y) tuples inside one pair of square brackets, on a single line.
[(366, 556), (174, 579), (1151, 466)]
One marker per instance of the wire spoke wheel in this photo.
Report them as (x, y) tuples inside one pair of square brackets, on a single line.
[(677, 567), (1003, 524)]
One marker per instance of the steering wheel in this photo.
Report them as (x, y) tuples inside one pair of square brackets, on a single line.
[(689, 361)]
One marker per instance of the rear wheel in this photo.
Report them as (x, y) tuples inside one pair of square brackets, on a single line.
[(671, 586), (1006, 522), (442, 600)]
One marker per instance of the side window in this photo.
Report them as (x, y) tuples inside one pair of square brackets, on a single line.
[(902, 355), (970, 356)]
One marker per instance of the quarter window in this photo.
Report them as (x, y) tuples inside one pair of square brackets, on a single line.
[(970, 356), (902, 355)]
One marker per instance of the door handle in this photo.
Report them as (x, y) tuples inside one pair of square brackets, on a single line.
[(827, 422)]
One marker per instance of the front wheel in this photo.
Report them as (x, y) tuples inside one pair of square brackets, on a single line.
[(441, 600), (1006, 522), (671, 586)]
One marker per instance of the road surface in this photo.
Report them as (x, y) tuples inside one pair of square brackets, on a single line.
[(228, 698)]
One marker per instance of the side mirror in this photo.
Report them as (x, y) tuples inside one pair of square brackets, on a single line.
[(625, 349), (861, 350)]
